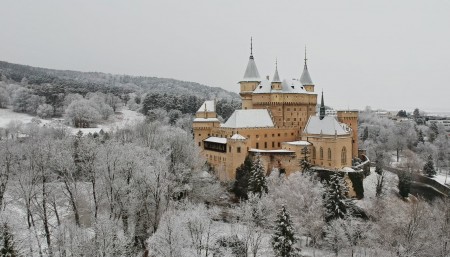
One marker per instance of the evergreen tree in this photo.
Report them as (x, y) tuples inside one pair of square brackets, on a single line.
[(284, 239), (428, 168), (420, 137), (404, 183), (240, 186), (365, 134), (337, 205), (257, 183), (7, 246)]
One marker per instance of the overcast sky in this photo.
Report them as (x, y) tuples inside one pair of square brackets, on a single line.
[(385, 54)]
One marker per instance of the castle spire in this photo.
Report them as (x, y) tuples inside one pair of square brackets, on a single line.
[(251, 72), (276, 77), (322, 108), (251, 47), (305, 79)]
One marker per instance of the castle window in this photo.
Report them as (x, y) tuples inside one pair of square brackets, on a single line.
[(292, 87), (292, 134), (344, 156), (273, 144), (321, 153), (278, 144), (238, 149), (278, 134), (295, 119), (273, 135), (199, 135), (257, 136), (265, 144), (199, 143), (248, 136), (314, 153), (257, 145), (229, 149), (295, 109), (265, 135), (329, 154)]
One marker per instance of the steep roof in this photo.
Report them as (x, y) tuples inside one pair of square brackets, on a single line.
[(251, 72), (305, 79), (327, 126), (207, 106), (287, 86), (276, 77), (254, 118)]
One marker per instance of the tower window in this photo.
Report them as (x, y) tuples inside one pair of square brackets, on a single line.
[(321, 153), (238, 149), (265, 144), (273, 144), (257, 145)]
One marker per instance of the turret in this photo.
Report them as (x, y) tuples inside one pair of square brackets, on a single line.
[(250, 81), (276, 82), (305, 79)]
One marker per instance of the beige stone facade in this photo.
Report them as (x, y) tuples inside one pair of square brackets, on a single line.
[(278, 120)]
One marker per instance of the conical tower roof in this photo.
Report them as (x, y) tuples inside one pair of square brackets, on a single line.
[(251, 72), (305, 79), (276, 77)]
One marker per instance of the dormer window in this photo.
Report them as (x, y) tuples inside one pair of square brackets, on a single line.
[(260, 87), (292, 87)]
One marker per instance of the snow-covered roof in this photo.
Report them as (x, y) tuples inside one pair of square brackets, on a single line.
[(207, 106), (251, 72), (305, 79), (254, 118), (327, 126), (220, 140), (270, 151), (301, 143), (238, 137), (287, 87), (276, 77), (206, 120)]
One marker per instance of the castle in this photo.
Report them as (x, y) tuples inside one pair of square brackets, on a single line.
[(278, 120)]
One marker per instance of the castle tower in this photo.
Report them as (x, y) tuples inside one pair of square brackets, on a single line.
[(250, 81), (276, 82), (351, 119), (205, 120), (322, 108), (305, 79)]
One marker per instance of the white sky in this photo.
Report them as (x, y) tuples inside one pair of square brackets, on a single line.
[(385, 54)]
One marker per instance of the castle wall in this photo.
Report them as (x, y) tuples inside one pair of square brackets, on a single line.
[(351, 119)]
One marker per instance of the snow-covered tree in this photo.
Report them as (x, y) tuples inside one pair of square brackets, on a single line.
[(83, 113), (428, 168), (45, 111), (337, 205), (7, 244), (257, 183), (284, 239), (404, 183)]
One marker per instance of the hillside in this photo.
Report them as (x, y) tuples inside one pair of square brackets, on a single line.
[(66, 81)]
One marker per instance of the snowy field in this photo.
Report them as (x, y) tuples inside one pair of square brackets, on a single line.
[(121, 119)]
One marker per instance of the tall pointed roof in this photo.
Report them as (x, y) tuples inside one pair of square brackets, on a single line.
[(322, 108), (276, 77), (305, 79), (251, 72)]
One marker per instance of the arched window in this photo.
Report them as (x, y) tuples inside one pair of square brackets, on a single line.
[(329, 154), (344, 156), (314, 153), (321, 153)]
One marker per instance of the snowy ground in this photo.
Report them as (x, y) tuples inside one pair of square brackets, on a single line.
[(370, 182), (120, 120)]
